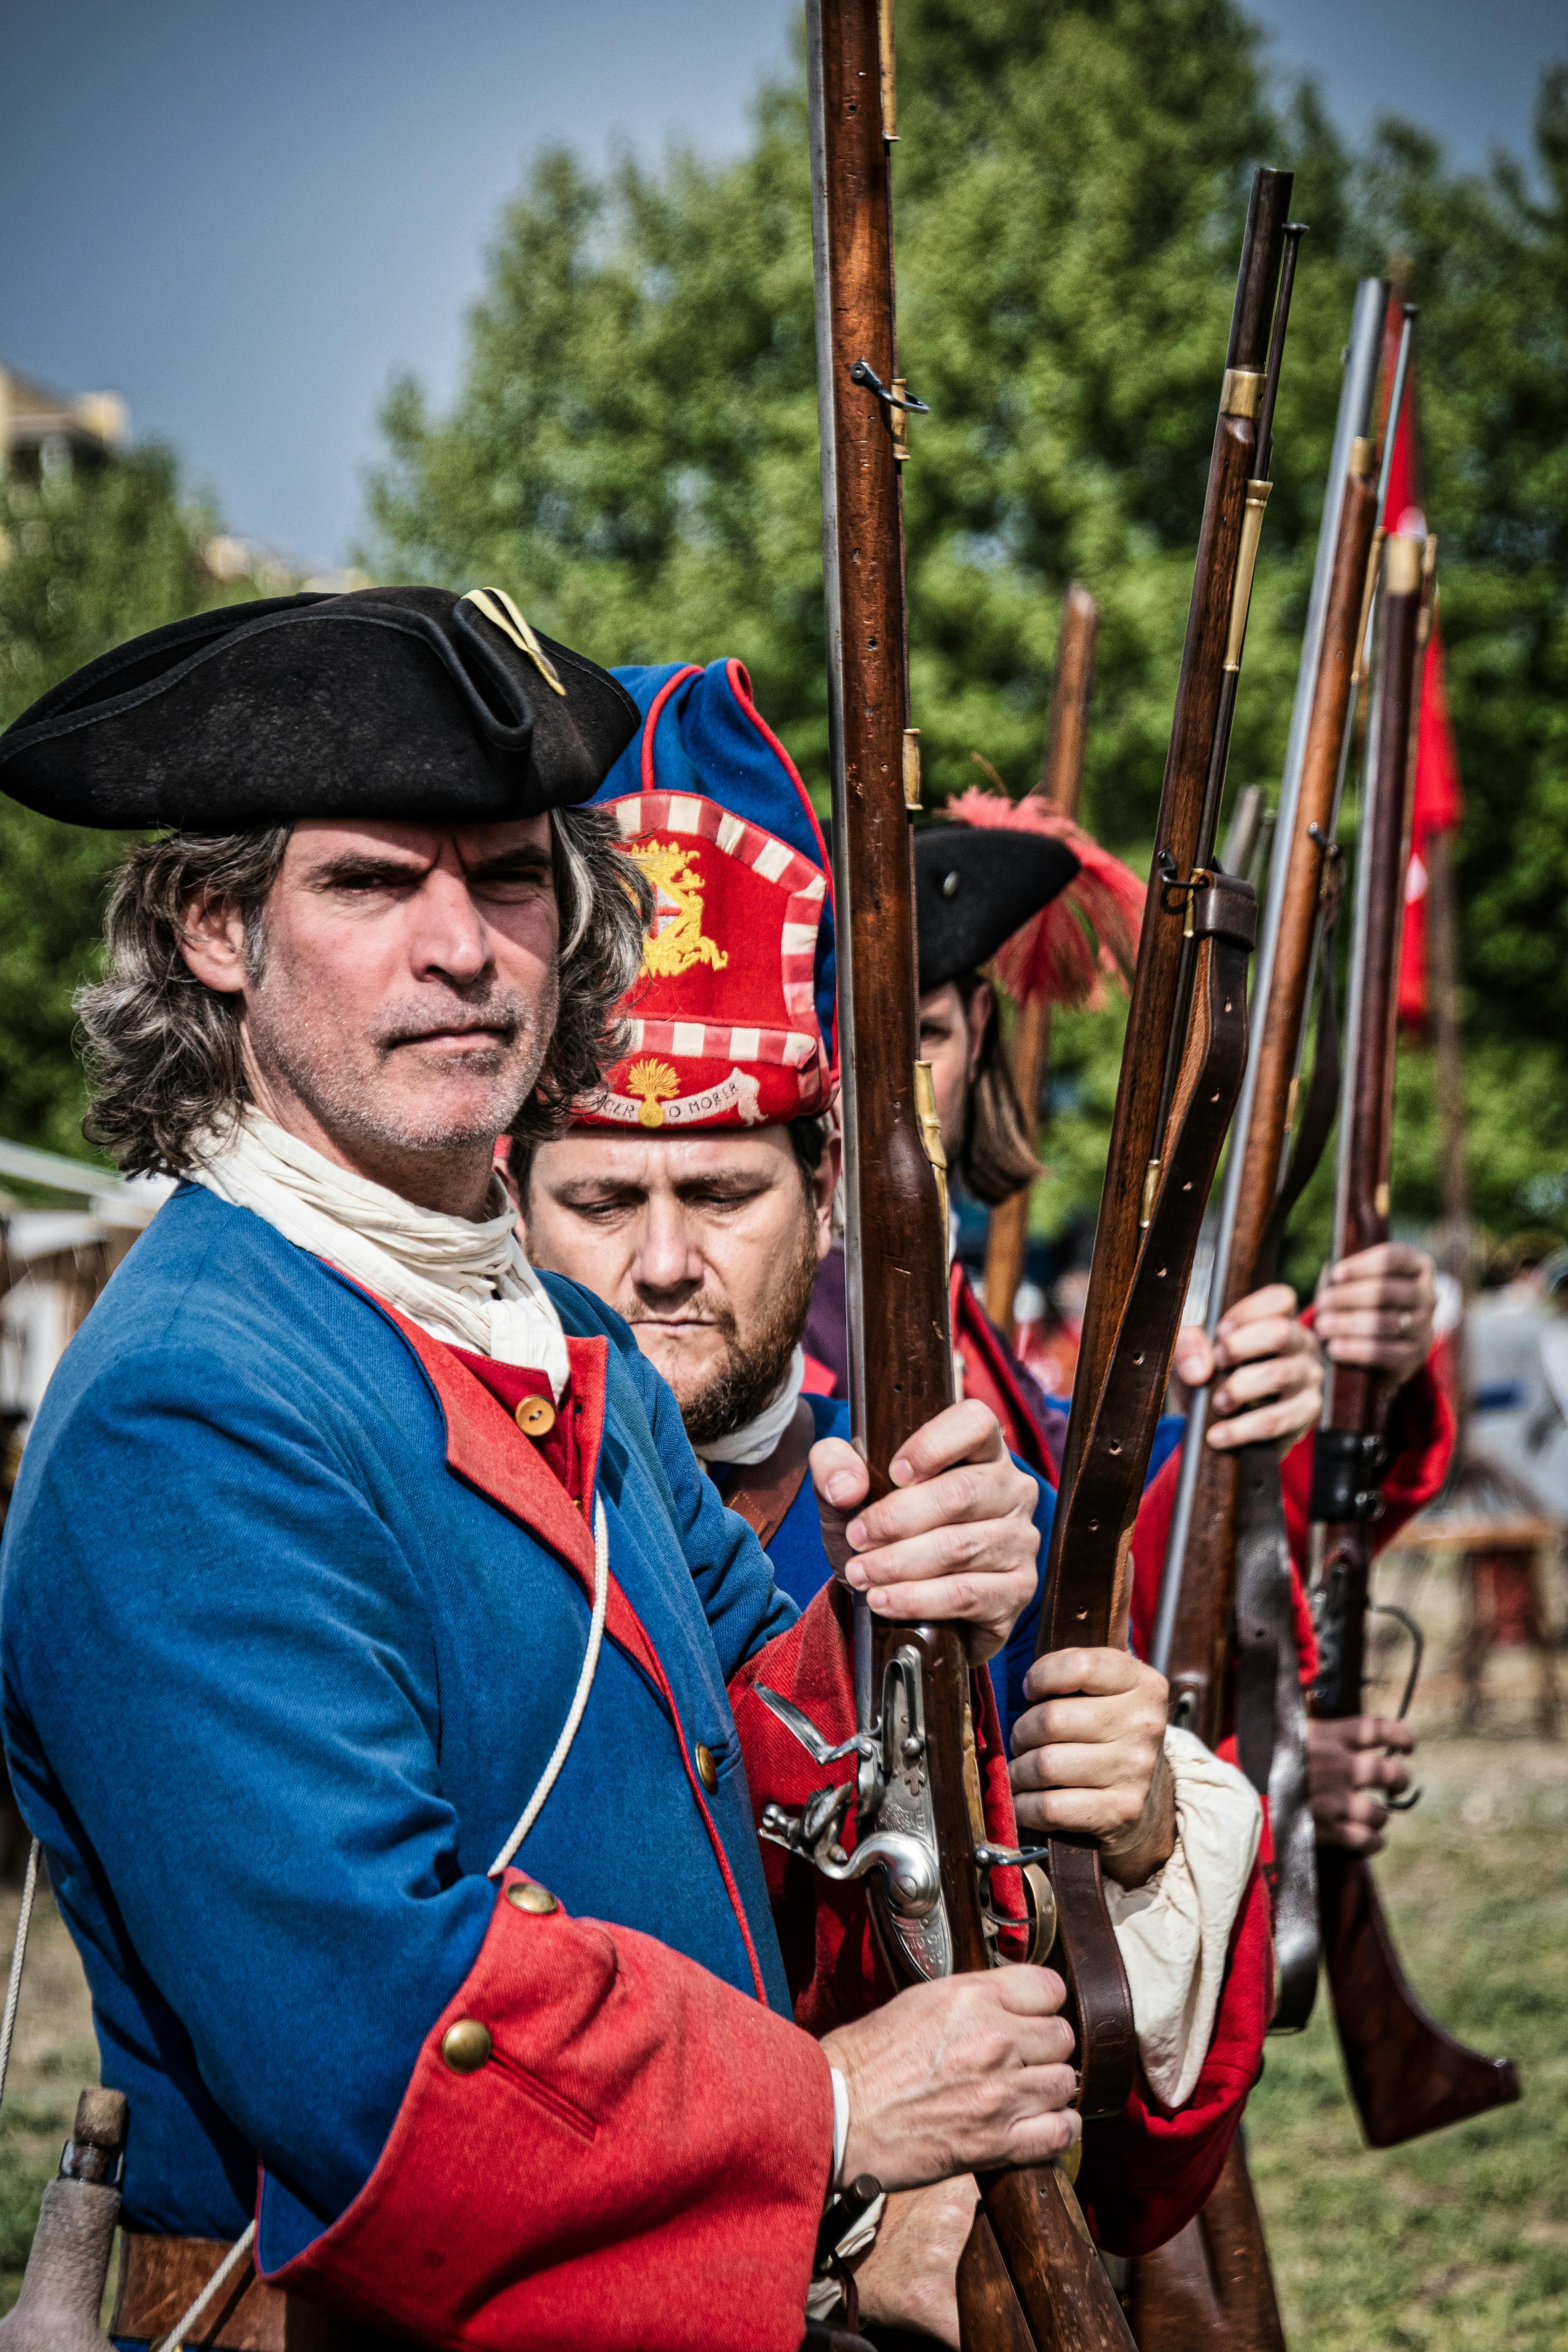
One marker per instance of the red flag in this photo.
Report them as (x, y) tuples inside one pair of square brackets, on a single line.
[(1438, 801)]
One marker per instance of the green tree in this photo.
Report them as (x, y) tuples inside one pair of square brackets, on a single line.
[(87, 560)]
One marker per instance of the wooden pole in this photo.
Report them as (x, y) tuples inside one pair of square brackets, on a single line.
[(1060, 783)]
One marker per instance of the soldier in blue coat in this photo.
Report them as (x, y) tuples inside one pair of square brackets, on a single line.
[(369, 1628)]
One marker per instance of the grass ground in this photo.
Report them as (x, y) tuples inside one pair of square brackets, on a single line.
[(1457, 2243), (1460, 2239)]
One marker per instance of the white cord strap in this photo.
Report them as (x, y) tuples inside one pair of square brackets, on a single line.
[(18, 1958), (552, 1771), (236, 2254)]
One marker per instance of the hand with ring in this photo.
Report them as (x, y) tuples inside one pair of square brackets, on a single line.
[(1376, 1309)]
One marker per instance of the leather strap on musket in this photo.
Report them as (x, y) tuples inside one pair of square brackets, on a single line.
[(160, 2278), (1225, 907), (762, 1492), (1314, 1123)]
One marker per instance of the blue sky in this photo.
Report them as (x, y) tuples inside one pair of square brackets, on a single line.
[(245, 218)]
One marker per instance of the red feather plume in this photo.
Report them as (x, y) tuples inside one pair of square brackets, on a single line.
[(1088, 933)]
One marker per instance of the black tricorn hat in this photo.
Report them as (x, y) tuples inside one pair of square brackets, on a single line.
[(407, 704), (974, 887)]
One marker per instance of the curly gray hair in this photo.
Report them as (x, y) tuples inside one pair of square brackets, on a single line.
[(162, 1050)]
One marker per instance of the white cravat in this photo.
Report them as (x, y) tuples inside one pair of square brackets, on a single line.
[(755, 1440), (469, 1284)]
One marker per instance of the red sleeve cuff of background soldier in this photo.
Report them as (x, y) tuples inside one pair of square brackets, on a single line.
[(1145, 2172), (834, 1969), (1422, 1433), (639, 2167), (1151, 1533)]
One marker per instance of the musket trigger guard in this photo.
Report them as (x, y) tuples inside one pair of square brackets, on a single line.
[(1039, 1900), (863, 372), (1417, 1652)]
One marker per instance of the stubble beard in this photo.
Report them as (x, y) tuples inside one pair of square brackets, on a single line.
[(349, 1085), (752, 1372)]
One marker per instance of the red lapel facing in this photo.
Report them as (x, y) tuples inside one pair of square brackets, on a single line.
[(590, 1363), (485, 1447)]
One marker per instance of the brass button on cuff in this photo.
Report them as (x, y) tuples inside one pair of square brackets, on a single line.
[(530, 1898), (534, 1417), (706, 1770), (465, 2045)]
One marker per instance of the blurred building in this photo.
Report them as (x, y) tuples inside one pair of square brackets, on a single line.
[(41, 428), (53, 1264)]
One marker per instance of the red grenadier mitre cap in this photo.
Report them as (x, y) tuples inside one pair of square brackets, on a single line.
[(731, 1021)]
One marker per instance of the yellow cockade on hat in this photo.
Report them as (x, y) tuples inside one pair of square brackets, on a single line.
[(502, 613)]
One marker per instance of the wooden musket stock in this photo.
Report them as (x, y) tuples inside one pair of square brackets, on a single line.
[(1407, 2075), (1178, 847)]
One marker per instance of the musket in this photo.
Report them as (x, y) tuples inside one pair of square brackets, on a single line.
[(1181, 1068), (919, 1834), (1186, 1653), (1407, 2075), (1061, 781), (1212, 2289), (1226, 1586)]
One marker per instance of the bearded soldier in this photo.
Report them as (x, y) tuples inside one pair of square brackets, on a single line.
[(371, 1631), (694, 1192)]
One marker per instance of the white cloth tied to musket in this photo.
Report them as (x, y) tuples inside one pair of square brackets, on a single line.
[(466, 1283), (1174, 1931)]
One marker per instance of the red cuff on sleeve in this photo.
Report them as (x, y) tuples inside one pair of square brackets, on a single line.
[(638, 2166), (1146, 2171)]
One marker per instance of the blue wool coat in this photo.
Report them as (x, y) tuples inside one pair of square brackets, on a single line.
[(277, 1685)]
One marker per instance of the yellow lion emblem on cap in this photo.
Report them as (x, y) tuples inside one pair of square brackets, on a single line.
[(675, 941)]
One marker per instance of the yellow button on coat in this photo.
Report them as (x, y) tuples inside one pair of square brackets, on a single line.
[(465, 2045), (706, 1770), (531, 1898), (535, 1418)]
